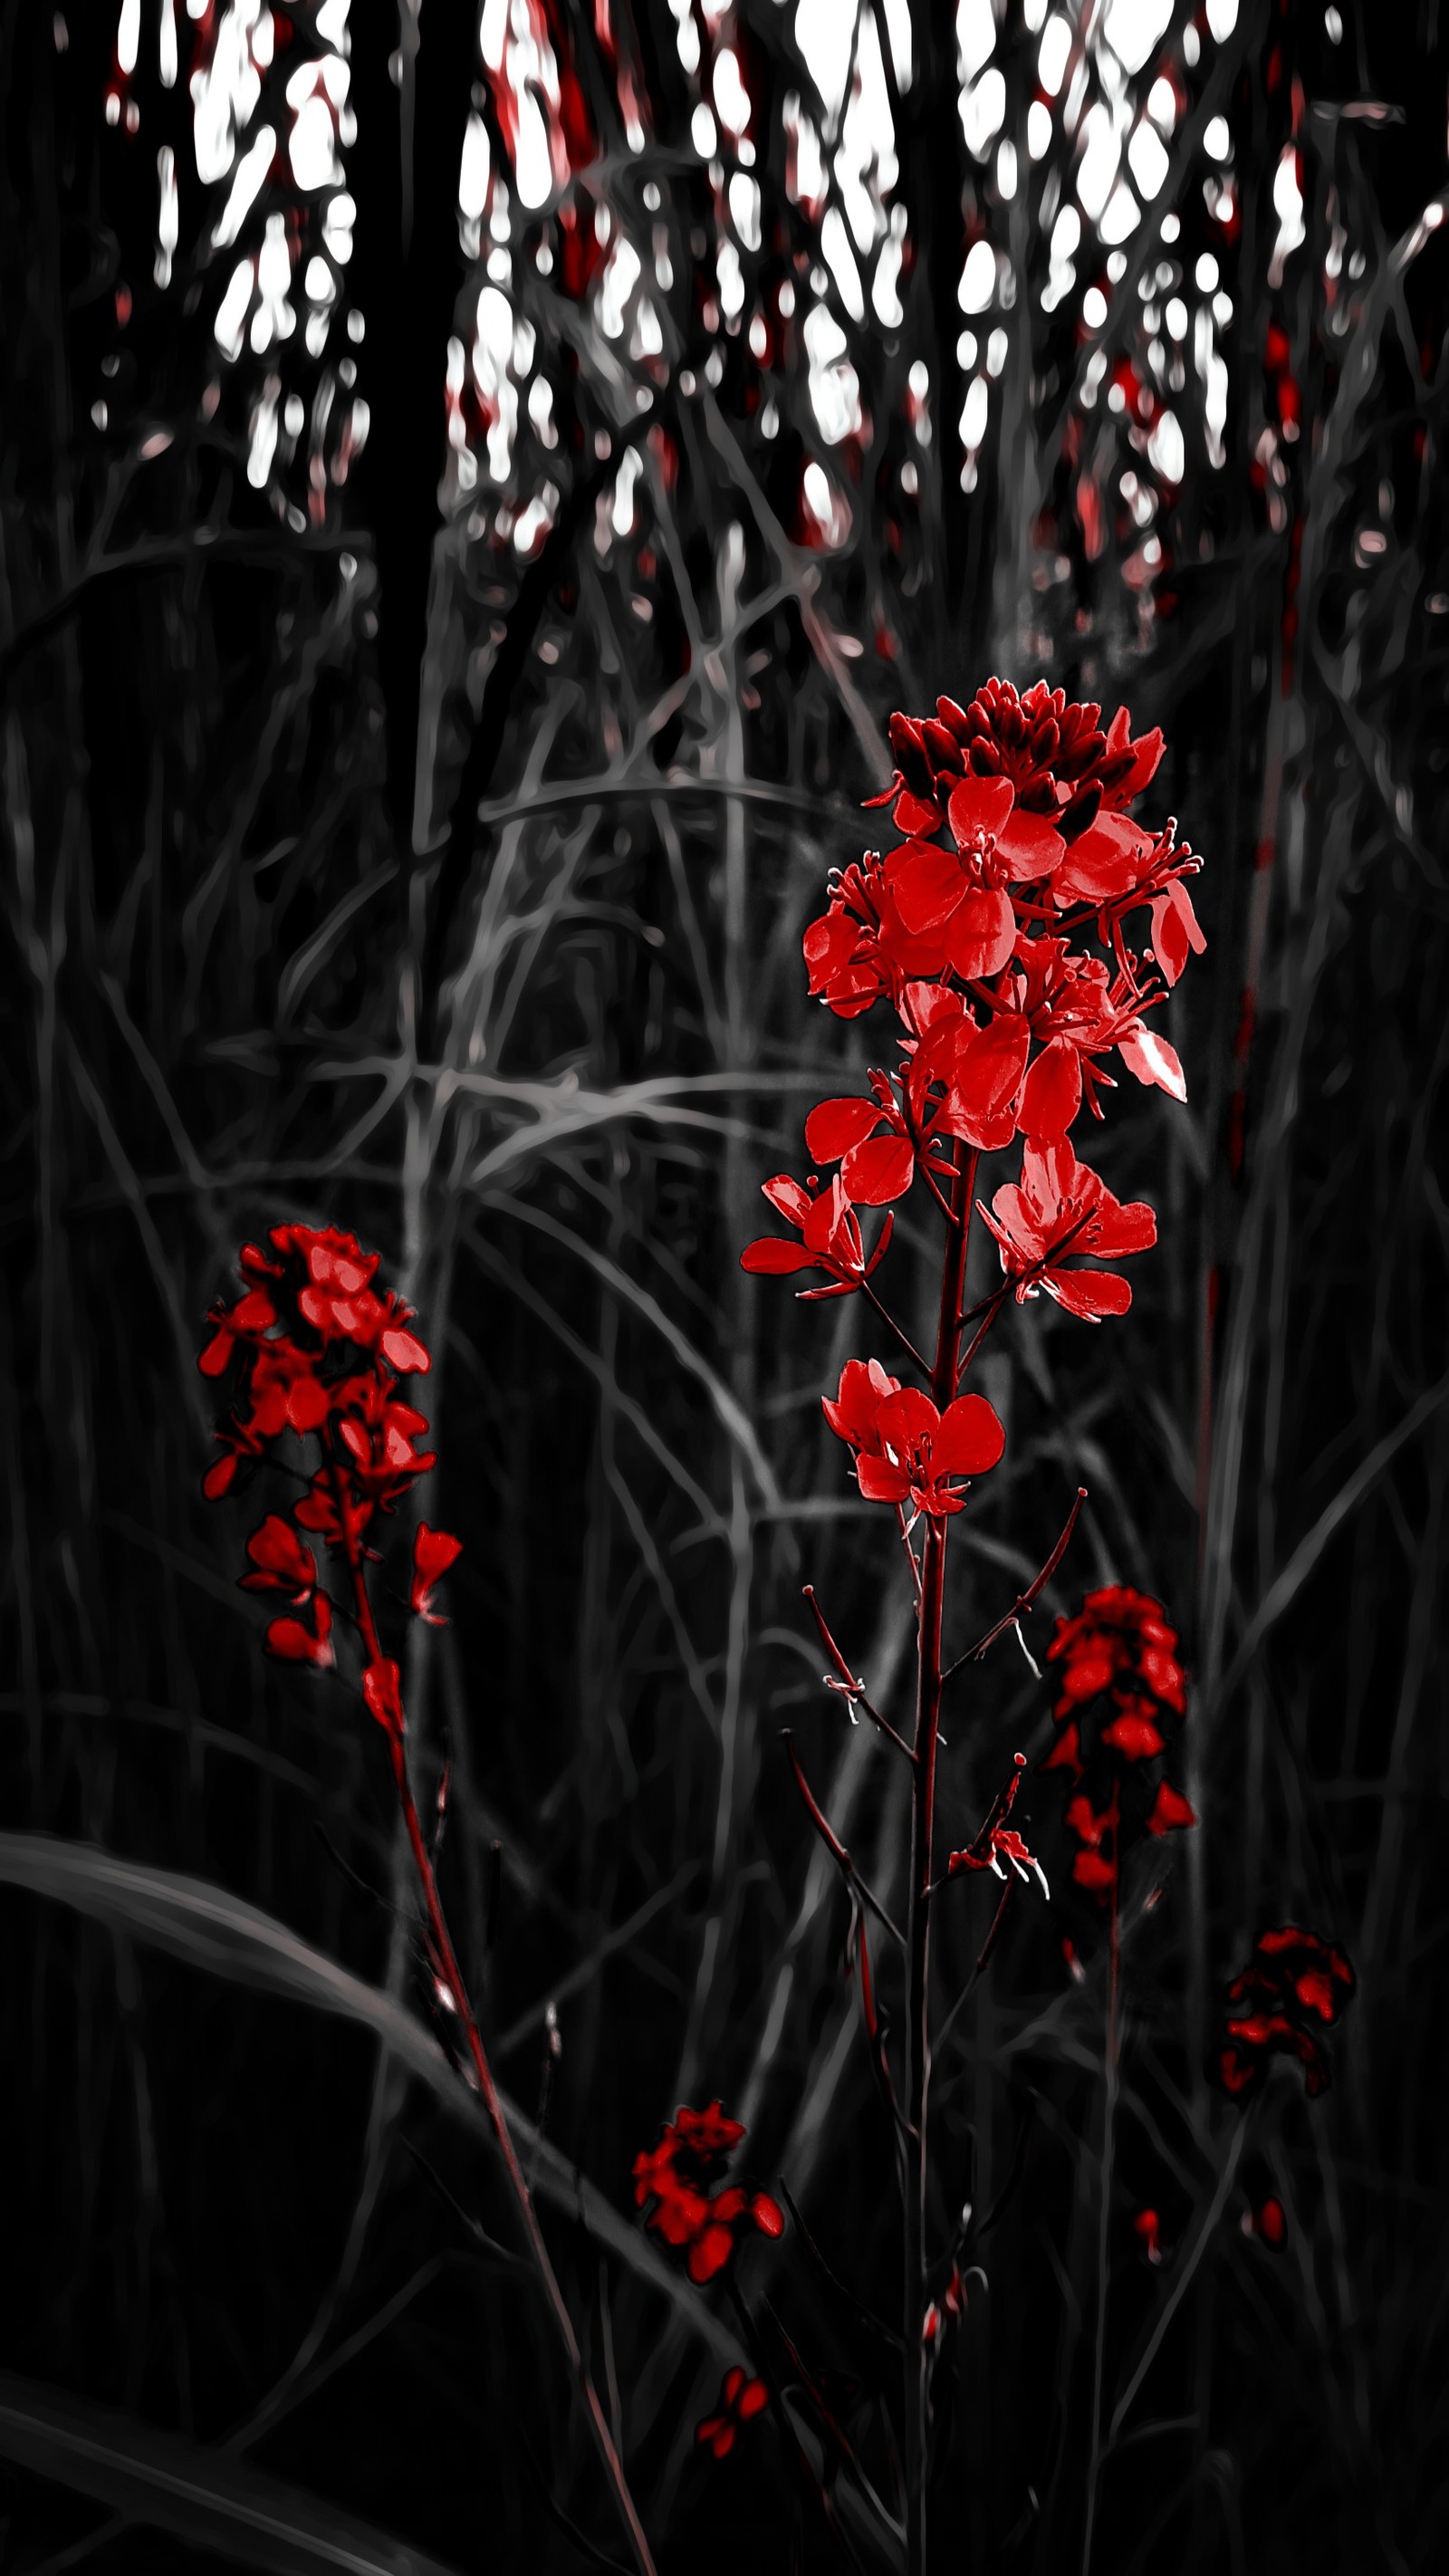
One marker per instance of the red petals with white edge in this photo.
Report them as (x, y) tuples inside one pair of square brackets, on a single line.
[(434, 1551), (1153, 1061)]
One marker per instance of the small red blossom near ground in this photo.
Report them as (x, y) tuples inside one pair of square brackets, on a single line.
[(740, 2399), (1294, 1987), (1147, 2228), (906, 1451), (677, 2176), (1268, 2222)]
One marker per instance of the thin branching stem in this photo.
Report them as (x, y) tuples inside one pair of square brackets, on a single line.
[(451, 1974)]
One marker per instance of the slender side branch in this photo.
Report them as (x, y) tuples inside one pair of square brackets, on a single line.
[(889, 1321), (849, 1688), (452, 1975), (835, 1846), (1025, 1601)]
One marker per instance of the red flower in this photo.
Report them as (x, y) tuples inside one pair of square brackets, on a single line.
[(279, 1561), (1075, 1011), (860, 949), (676, 2178), (293, 1642), (1061, 1210), (997, 1842), (1119, 1640), (962, 894), (434, 1551), (906, 1451), (830, 1238), (740, 2399), (1295, 1985)]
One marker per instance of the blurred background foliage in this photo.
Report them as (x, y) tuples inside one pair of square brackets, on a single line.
[(474, 488)]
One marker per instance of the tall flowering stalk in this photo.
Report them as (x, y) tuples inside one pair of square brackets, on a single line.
[(1024, 933), (318, 1353)]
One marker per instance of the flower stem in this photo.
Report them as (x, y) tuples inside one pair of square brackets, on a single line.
[(1104, 2216), (918, 1920), (452, 1975)]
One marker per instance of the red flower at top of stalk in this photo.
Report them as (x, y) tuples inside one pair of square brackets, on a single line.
[(1032, 795), (1294, 1987), (674, 2184), (906, 1451)]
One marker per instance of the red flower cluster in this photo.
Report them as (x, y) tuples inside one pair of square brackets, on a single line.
[(1015, 837), (1293, 1988), (320, 1352), (1120, 1685), (906, 1452), (740, 2399), (678, 2177)]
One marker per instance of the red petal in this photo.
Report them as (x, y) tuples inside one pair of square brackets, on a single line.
[(1032, 845), (1154, 1061), (835, 1125), (404, 1352), (767, 2214), (970, 1439), (879, 1481), (1170, 1811), (878, 1171), (773, 1257), (792, 1202), (983, 933), (382, 1691), (295, 1643), (218, 1351), (1052, 1092), (1089, 1293), (1135, 1738), (980, 806), (1090, 1870), (927, 884)]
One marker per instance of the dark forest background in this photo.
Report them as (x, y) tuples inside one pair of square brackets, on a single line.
[(444, 640)]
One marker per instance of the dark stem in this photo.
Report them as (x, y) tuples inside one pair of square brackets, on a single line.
[(918, 1920), (888, 1319), (453, 1977), (1109, 2112)]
